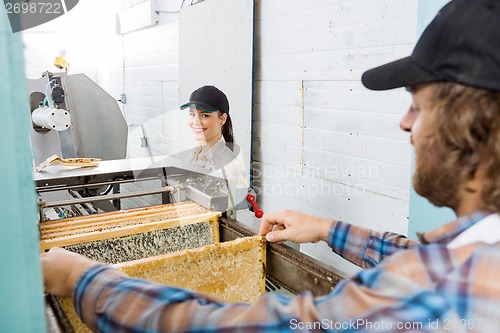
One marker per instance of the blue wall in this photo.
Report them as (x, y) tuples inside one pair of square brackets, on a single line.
[(21, 287), (423, 215)]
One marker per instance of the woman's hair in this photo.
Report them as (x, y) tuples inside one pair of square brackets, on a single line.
[(466, 130), (227, 129)]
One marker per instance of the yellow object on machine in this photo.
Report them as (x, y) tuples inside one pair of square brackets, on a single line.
[(61, 63)]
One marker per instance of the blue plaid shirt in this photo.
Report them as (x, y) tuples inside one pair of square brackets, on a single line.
[(406, 287)]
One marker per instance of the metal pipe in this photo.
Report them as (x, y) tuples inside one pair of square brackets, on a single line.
[(71, 187), (89, 207), (104, 198), (80, 210)]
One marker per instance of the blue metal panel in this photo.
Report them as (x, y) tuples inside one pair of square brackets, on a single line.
[(21, 288), (423, 215)]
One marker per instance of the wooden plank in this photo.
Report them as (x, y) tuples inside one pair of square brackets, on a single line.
[(91, 225), (117, 224), (338, 201), (380, 125), (278, 133), (376, 176), (330, 38), (354, 144), (332, 63), (333, 95), (278, 114), (129, 213), (123, 231), (279, 93), (276, 18), (276, 153)]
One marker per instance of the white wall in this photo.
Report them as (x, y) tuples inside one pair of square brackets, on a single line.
[(147, 74), (323, 144), (216, 48), (151, 71), (82, 34)]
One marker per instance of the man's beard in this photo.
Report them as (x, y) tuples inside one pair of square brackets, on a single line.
[(435, 179)]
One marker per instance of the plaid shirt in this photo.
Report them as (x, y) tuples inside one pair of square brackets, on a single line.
[(407, 286)]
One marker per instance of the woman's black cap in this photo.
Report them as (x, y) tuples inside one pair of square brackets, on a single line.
[(209, 99)]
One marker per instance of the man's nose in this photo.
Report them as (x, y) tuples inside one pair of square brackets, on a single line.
[(407, 121)]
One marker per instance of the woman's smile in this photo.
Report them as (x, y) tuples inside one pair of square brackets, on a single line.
[(206, 126)]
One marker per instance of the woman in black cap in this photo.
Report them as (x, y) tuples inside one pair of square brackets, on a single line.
[(211, 124)]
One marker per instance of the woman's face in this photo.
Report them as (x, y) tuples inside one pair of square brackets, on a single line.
[(206, 126)]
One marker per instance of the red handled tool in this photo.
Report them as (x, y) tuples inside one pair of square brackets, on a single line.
[(258, 212)]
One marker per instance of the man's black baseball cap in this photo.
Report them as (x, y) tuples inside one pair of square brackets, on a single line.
[(461, 44), (209, 99)]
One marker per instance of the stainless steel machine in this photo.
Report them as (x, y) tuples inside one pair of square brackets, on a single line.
[(74, 117), (69, 192)]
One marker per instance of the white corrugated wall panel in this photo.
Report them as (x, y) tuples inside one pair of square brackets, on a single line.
[(150, 82), (323, 144)]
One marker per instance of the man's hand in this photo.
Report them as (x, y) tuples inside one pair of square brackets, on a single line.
[(293, 226), (61, 270)]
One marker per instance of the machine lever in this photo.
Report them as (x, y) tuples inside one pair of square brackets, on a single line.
[(258, 212)]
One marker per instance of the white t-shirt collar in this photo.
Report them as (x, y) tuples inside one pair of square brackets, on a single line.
[(486, 230)]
